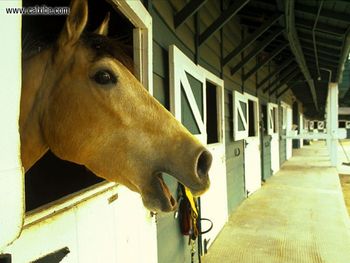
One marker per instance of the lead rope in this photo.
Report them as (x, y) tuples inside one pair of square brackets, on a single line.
[(192, 237), (192, 228), (193, 249)]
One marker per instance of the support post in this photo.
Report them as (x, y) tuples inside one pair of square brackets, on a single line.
[(332, 122)]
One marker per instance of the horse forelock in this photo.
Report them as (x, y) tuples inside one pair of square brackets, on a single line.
[(103, 46)]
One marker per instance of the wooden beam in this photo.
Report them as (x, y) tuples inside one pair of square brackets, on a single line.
[(326, 63), (323, 41), (305, 9), (344, 56), (295, 46), (272, 55), (287, 72), (225, 16), (322, 27), (322, 50), (282, 92), (284, 81), (289, 86), (325, 57), (257, 13), (264, 43), (187, 11), (251, 38), (278, 69)]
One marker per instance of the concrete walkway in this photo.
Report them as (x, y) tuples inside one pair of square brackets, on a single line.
[(297, 216)]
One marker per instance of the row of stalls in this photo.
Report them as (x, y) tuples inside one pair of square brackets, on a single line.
[(73, 216)]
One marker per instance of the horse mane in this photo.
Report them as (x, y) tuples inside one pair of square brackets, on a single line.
[(33, 45), (102, 46)]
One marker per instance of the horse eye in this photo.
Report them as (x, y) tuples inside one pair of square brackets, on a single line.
[(104, 77)]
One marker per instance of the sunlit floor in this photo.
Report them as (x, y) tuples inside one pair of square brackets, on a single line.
[(297, 216)]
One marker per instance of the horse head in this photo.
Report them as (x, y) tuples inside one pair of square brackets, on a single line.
[(93, 111)]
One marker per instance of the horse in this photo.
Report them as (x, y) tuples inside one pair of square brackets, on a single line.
[(81, 100)]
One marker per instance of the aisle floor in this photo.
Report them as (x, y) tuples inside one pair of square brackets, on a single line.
[(297, 216)]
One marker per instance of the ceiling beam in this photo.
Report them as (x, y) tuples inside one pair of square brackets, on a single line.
[(284, 91), (251, 38), (323, 50), (259, 65), (260, 46), (305, 9), (225, 16), (296, 48), (284, 81), (287, 72), (344, 56), (326, 57), (254, 12), (325, 63), (278, 69), (322, 27), (187, 11), (333, 43)]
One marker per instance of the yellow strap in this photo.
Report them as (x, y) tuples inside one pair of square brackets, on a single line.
[(191, 199)]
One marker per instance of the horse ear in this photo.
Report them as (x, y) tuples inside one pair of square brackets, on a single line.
[(103, 28), (75, 23)]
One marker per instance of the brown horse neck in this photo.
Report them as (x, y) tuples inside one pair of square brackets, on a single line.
[(33, 93)]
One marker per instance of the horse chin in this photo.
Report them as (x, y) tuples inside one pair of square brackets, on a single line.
[(160, 199)]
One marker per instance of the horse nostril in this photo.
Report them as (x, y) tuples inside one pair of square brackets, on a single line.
[(204, 163)]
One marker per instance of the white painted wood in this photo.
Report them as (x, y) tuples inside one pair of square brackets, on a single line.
[(301, 128), (315, 135), (315, 132), (311, 125), (11, 173), (138, 228), (328, 120), (287, 125), (192, 101), (320, 125), (93, 226), (252, 158), (214, 201), (272, 118), (306, 125), (219, 83), (274, 133), (238, 113), (64, 203), (96, 229), (51, 234), (174, 80), (135, 11), (332, 121), (179, 65), (284, 117), (289, 144)]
